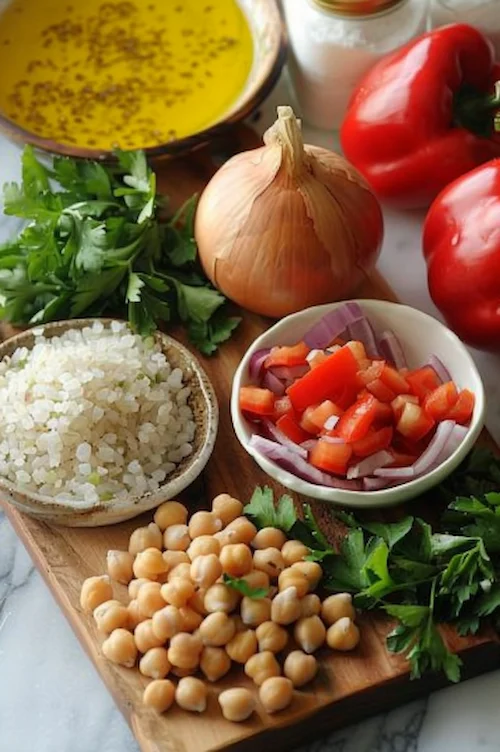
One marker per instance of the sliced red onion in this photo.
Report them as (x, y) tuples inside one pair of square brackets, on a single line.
[(330, 326), (289, 373), (270, 381), (430, 457), (440, 368), (455, 438), (274, 433), (390, 348), (362, 330), (292, 462), (370, 464), (331, 422), (309, 444), (256, 363), (376, 484), (396, 473)]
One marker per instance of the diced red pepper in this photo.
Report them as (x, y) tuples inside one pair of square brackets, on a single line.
[(374, 441), (438, 403), (414, 423), (380, 390), (357, 420), (394, 380), (463, 408), (293, 355), (329, 380), (255, 400), (333, 458), (314, 418), (282, 406), (289, 426), (400, 401), (423, 381)]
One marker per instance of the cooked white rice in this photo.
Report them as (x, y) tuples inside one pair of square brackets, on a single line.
[(92, 414)]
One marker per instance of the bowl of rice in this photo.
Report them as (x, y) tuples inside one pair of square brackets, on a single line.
[(98, 424)]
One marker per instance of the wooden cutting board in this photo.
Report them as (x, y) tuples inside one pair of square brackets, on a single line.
[(348, 688)]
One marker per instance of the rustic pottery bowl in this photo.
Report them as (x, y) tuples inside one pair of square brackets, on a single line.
[(421, 336), (267, 30), (203, 402)]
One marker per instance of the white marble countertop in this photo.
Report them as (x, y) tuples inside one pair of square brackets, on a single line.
[(51, 698)]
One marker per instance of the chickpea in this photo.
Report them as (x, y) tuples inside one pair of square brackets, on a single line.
[(220, 597), (191, 694), (134, 585), (293, 551), (119, 565), (285, 607), (190, 619), (95, 590), (145, 537), (276, 694), (111, 615), (311, 571), (149, 598), (155, 663), (182, 672), (120, 648), (197, 602), (293, 578), (310, 605), (176, 538), (217, 629), (257, 579), (270, 561), (255, 611), (240, 530), (177, 592), (204, 523), (237, 704), (173, 558), (182, 571), (310, 633), (166, 623), (343, 635), (262, 666), (170, 513), (300, 668), (214, 663), (227, 508), (149, 563), (269, 537), (337, 606), (203, 546), (145, 638), (236, 559), (271, 636), (184, 650), (159, 695), (135, 615), (205, 570), (239, 626), (242, 646)]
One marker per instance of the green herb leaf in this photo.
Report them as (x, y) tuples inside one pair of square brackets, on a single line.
[(264, 513), (244, 588)]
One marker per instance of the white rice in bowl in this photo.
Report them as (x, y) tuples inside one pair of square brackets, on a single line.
[(92, 414)]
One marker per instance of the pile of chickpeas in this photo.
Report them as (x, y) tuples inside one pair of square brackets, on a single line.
[(182, 619)]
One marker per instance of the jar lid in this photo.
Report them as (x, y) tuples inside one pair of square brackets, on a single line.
[(358, 7)]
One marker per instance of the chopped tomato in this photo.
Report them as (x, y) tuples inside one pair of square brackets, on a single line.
[(330, 457), (319, 357), (438, 403), (359, 352), (255, 400), (414, 423), (331, 379), (314, 418), (463, 408), (374, 441), (423, 381), (394, 380), (291, 429), (400, 401), (384, 414), (357, 420), (282, 406), (294, 355), (370, 374), (402, 460), (380, 390)]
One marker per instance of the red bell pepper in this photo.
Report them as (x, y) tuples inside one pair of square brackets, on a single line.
[(424, 115), (462, 250)]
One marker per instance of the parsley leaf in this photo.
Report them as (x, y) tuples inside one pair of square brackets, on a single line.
[(242, 586), (264, 513)]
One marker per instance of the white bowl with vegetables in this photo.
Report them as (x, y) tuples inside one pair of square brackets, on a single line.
[(365, 403)]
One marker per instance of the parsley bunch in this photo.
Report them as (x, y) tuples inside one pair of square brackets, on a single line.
[(419, 576), (94, 244)]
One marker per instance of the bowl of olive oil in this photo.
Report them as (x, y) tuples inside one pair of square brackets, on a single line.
[(83, 79)]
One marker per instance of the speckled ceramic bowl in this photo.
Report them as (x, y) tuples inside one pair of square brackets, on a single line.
[(206, 415), (268, 34)]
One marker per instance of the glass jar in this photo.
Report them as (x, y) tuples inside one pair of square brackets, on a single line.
[(332, 43), (484, 14)]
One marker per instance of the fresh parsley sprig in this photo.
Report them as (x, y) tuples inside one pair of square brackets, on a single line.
[(241, 586), (94, 244)]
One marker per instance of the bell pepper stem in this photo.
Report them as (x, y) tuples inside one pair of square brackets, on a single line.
[(478, 112)]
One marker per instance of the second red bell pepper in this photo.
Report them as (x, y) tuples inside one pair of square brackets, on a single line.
[(425, 115)]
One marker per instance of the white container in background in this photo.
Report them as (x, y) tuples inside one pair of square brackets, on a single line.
[(484, 14), (332, 43)]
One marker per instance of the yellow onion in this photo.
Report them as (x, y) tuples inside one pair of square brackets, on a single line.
[(287, 226)]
